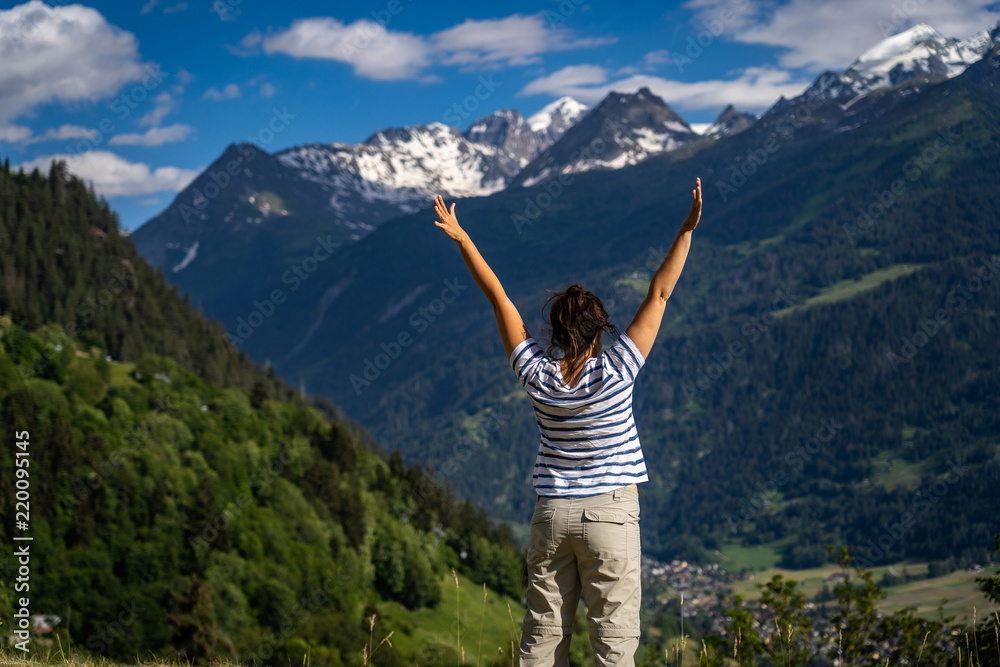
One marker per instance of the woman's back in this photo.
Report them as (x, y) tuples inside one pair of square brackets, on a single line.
[(589, 443)]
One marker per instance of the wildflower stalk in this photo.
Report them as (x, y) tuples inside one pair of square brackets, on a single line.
[(458, 623), (481, 624)]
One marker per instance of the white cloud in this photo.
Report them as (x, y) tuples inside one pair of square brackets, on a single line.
[(373, 51), (381, 54), (755, 89), (162, 105), (267, 90), (230, 92), (14, 133), (833, 33), (571, 78), (114, 176), (657, 57), (64, 132), (513, 40), (149, 6), (61, 54), (156, 136)]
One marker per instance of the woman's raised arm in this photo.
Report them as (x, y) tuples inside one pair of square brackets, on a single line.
[(646, 323), (512, 329)]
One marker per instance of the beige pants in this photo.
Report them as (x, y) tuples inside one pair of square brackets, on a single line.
[(587, 546)]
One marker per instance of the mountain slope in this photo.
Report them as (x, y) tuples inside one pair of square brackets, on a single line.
[(183, 518), (64, 261)]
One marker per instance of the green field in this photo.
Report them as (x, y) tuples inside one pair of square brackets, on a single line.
[(269, 201), (436, 629), (734, 558), (892, 471), (846, 289), (749, 247), (964, 598)]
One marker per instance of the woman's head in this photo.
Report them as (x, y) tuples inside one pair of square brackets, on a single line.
[(578, 319)]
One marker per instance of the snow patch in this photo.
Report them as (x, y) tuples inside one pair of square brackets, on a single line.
[(192, 252), (565, 107)]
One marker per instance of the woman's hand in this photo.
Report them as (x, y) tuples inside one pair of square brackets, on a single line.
[(694, 215), (448, 222)]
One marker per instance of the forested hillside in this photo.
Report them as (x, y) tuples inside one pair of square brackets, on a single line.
[(64, 261), (196, 506)]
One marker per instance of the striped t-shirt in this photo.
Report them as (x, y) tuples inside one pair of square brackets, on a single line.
[(589, 444)]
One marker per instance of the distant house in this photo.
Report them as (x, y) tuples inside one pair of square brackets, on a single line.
[(42, 626)]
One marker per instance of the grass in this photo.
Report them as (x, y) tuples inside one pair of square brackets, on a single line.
[(121, 374), (482, 630), (79, 661), (958, 587), (418, 629), (640, 285), (269, 202), (734, 558), (745, 248), (902, 473), (847, 289), (496, 615)]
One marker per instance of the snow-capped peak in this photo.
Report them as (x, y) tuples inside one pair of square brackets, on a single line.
[(914, 49), (977, 45), (917, 51), (891, 48), (556, 117)]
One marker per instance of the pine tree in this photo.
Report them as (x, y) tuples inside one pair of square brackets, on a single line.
[(197, 637)]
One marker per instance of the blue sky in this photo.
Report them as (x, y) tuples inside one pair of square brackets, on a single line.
[(143, 95)]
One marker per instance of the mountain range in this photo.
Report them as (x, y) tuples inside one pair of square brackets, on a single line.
[(785, 230), (345, 191)]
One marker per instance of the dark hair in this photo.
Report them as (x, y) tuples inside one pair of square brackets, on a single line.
[(577, 318)]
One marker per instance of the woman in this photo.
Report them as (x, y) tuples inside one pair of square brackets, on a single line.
[(585, 528)]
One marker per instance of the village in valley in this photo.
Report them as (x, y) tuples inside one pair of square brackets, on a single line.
[(701, 594)]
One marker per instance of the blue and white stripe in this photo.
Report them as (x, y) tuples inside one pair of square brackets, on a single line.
[(589, 444)]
